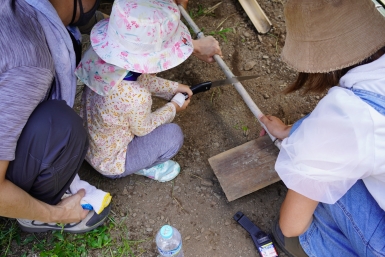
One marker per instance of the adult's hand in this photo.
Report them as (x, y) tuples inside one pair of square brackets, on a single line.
[(205, 48), (16, 203), (71, 209), (275, 126), (182, 3)]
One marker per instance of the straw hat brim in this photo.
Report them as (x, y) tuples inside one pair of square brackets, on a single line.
[(348, 47)]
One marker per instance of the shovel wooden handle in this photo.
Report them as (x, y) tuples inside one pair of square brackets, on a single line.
[(238, 86)]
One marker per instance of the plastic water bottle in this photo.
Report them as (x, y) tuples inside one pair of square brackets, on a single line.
[(169, 242)]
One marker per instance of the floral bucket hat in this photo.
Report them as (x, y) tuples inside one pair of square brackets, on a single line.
[(144, 36)]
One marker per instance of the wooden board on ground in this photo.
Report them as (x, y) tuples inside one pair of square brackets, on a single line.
[(246, 168)]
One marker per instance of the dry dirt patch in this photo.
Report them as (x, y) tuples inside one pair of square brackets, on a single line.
[(214, 122)]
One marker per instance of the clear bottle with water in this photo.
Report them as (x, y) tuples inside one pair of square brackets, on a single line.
[(169, 242)]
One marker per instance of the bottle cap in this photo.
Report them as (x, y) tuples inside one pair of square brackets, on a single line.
[(166, 231)]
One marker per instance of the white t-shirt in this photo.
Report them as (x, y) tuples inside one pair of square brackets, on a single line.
[(341, 141)]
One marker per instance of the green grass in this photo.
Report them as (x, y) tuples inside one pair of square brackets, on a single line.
[(196, 13), (222, 33), (276, 41), (111, 239), (9, 231)]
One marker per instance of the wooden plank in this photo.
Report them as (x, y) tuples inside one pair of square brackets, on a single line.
[(246, 168), (256, 15)]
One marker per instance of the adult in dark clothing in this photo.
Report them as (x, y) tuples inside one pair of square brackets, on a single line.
[(42, 141)]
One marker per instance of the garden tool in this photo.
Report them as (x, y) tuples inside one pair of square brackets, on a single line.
[(205, 86), (249, 167)]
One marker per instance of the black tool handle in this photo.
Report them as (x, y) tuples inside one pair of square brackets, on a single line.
[(201, 87), (261, 240), (249, 226)]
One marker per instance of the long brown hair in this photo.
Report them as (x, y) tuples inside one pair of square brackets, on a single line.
[(320, 82)]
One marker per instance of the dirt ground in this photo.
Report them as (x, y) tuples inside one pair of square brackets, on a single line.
[(214, 122)]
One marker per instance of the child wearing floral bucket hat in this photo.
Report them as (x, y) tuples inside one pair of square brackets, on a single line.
[(140, 38), (333, 160)]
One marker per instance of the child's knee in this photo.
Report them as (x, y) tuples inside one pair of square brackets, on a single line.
[(176, 133)]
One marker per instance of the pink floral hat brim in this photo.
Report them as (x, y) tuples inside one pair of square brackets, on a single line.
[(172, 53)]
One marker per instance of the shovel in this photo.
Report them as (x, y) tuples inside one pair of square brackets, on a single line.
[(248, 167)]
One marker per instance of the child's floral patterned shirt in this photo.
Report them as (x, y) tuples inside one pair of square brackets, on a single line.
[(114, 111)]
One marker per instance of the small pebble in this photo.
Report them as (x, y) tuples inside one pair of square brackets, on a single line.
[(246, 34), (249, 65), (206, 182)]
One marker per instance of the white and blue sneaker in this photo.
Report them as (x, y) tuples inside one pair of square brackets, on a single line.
[(162, 172), (91, 221)]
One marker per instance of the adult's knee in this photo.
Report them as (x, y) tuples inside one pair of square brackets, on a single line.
[(49, 152)]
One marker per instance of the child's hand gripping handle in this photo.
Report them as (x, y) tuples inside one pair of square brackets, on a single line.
[(201, 87)]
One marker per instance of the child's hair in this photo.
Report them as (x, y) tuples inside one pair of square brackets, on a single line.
[(320, 82)]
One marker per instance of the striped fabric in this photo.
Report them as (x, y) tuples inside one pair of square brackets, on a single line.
[(26, 71)]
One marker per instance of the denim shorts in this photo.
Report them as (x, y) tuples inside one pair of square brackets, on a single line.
[(353, 226)]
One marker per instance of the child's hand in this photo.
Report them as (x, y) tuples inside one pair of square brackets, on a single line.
[(184, 106), (184, 89), (275, 126)]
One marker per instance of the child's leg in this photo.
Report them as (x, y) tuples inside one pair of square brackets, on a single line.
[(353, 226), (159, 146)]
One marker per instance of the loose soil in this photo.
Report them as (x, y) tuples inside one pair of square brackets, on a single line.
[(215, 121)]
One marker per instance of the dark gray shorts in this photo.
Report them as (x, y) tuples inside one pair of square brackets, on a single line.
[(49, 152)]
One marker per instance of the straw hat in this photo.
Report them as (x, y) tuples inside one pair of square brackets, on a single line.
[(327, 35), (144, 36)]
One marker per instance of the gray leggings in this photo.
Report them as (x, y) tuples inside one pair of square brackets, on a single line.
[(159, 146)]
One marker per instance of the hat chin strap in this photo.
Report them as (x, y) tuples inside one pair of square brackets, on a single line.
[(75, 9)]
